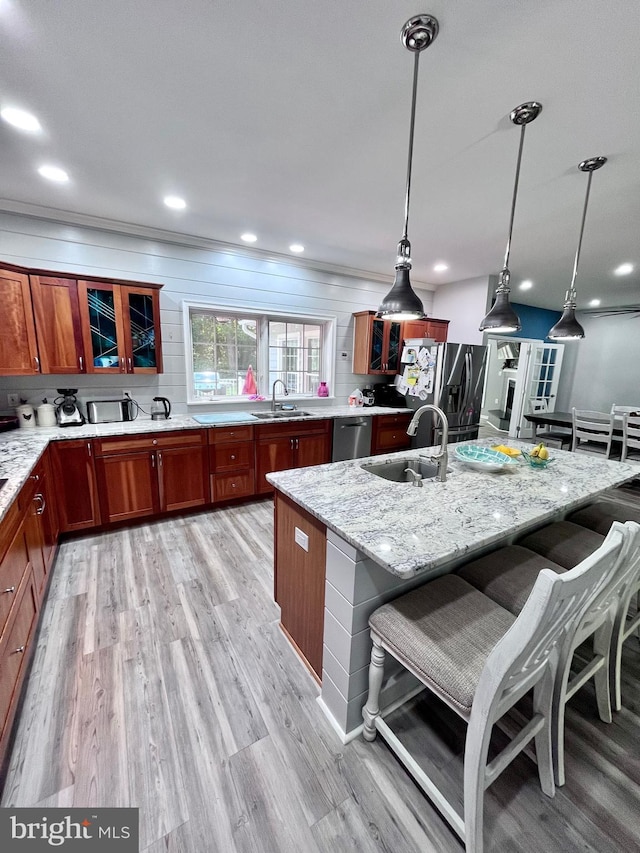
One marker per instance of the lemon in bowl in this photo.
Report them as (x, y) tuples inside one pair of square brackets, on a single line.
[(537, 461)]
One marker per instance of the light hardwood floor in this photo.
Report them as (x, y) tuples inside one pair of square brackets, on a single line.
[(161, 680)]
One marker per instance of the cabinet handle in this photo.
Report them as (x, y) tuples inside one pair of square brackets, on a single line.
[(159, 459), (122, 367), (153, 460), (89, 448), (37, 363), (233, 456), (130, 367), (19, 650), (9, 589), (81, 362), (233, 485), (43, 503), (155, 441), (34, 477)]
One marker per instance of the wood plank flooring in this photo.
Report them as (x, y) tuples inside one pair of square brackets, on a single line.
[(162, 680)]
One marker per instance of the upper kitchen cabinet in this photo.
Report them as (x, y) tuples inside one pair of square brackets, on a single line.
[(437, 330), (376, 344), (58, 329), (121, 327), (18, 347)]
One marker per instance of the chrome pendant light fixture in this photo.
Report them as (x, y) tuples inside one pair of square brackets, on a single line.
[(567, 328), (402, 303), (502, 318)]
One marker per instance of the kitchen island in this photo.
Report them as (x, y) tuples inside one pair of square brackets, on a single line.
[(347, 540)]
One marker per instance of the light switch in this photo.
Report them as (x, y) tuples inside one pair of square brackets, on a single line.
[(301, 539)]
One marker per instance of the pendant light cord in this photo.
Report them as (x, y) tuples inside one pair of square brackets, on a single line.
[(515, 195), (411, 129), (584, 219)]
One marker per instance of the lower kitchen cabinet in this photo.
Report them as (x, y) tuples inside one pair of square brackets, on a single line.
[(232, 463), (389, 433), (299, 578), (74, 482), (290, 445), (147, 474)]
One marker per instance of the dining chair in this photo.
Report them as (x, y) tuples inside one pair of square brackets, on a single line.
[(630, 438), (552, 437), (592, 432), (599, 516), (479, 659)]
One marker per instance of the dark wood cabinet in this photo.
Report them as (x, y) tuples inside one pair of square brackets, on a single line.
[(376, 344), (57, 315), (74, 483), (389, 433), (232, 463), (290, 445), (151, 473), (18, 346), (429, 328), (299, 578)]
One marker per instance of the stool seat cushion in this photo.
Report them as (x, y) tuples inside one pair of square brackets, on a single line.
[(599, 516), (563, 542), (443, 631), (507, 575)]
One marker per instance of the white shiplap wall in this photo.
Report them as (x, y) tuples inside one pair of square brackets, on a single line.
[(192, 270)]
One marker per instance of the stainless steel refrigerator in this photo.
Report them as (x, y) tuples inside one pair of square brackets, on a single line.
[(448, 375)]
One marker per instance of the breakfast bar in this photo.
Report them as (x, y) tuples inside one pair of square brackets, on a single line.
[(347, 540)]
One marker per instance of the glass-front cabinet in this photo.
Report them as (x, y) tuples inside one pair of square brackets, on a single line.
[(121, 327), (376, 344)]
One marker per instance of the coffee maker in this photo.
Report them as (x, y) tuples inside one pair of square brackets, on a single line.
[(67, 410)]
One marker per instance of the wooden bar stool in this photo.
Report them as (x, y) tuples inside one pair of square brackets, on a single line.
[(480, 660)]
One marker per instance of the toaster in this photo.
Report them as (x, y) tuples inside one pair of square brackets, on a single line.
[(110, 411)]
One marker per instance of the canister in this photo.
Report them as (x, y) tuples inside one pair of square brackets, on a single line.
[(46, 414), (26, 416)]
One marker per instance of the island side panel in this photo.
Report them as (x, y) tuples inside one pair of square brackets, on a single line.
[(299, 578)]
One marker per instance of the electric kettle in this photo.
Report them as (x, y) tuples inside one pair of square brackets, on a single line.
[(160, 409)]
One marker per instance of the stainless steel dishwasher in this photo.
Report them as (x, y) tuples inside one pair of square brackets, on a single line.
[(351, 438)]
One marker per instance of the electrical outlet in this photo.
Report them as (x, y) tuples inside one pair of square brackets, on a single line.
[(344, 355), (127, 394), (13, 400)]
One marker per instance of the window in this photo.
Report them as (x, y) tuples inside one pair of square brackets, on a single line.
[(237, 355)]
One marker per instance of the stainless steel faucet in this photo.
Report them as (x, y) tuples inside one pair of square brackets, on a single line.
[(442, 458), (273, 393)]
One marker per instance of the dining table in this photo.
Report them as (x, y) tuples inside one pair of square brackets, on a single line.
[(563, 419)]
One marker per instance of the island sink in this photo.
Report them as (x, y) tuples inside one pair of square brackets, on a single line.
[(419, 469)]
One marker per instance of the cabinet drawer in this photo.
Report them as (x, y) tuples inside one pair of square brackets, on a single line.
[(401, 421), (221, 435), (392, 438), (32, 485), (14, 650), (227, 486), (149, 441), (12, 569), (231, 457), (8, 527), (292, 428)]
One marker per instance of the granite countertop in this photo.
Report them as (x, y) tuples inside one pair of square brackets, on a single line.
[(20, 449), (409, 530)]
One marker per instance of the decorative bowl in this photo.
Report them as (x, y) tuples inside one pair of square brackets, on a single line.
[(484, 458), (535, 461)]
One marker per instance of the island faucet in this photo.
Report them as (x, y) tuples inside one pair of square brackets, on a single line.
[(273, 393), (442, 458)]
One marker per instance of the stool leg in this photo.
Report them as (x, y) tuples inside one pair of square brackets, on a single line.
[(372, 709), (601, 679)]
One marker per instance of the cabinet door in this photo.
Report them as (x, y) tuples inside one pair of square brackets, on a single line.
[(57, 315), (376, 344), (438, 330), (14, 655), (128, 486), (312, 450), (394, 340), (48, 513), (12, 569), (102, 326), (34, 539), (415, 329), (143, 348), (275, 454), (18, 348), (182, 477), (74, 481)]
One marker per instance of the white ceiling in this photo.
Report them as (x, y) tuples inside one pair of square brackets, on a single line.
[(290, 118)]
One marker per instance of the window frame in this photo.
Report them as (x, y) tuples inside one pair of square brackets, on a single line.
[(262, 316)]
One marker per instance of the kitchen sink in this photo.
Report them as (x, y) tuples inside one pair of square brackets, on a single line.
[(270, 416), (397, 473)]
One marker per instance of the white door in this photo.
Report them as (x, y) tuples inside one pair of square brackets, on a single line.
[(538, 376)]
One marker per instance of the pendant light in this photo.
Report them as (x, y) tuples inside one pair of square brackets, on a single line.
[(567, 328), (502, 317), (402, 302)]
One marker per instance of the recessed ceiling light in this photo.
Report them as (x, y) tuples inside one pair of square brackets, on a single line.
[(296, 247), (594, 303), (248, 238), (53, 173), (21, 119), (527, 284), (440, 267), (175, 202), (623, 269)]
